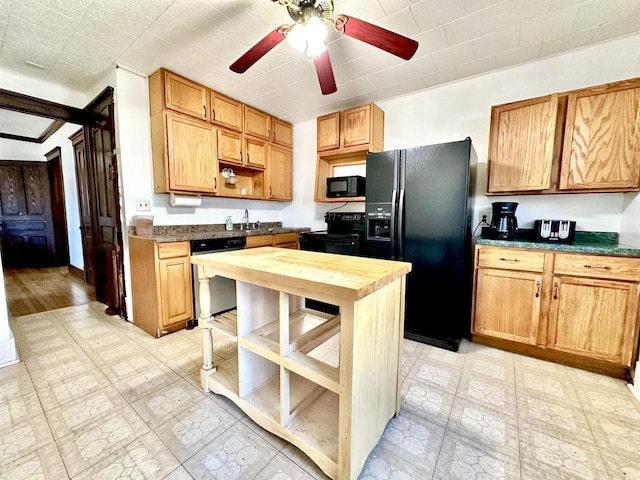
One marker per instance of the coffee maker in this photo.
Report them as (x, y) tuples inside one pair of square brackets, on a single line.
[(504, 223)]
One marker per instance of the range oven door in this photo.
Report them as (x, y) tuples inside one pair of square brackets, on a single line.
[(347, 244)]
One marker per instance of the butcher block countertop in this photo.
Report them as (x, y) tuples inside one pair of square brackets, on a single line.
[(342, 276)]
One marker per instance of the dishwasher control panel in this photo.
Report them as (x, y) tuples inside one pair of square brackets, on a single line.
[(210, 245)]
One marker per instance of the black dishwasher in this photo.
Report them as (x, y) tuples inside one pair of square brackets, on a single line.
[(223, 290)]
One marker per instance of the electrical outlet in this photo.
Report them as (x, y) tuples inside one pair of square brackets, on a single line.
[(143, 205)]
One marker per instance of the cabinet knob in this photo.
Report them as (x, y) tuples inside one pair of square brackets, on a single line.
[(555, 290), (509, 259), (204, 111), (213, 114), (601, 268), (538, 288)]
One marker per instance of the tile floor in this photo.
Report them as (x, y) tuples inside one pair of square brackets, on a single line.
[(97, 398)]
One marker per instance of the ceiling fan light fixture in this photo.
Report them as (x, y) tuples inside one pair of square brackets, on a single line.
[(315, 49), (296, 37)]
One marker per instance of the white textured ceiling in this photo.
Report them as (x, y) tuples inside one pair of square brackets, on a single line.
[(78, 41)]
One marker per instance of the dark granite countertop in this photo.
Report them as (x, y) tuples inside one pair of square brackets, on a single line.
[(602, 243), (181, 233)]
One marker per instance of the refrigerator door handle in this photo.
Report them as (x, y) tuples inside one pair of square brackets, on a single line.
[(392, 235), (400, 234)]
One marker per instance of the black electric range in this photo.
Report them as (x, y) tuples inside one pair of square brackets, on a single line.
[(344, 234)]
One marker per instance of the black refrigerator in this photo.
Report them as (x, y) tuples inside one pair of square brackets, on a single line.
[(417, 210)]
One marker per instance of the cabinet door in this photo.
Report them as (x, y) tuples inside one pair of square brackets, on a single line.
[(329, 132), (255, 152), (191, 147), (230, 147), (521, 145), (185, 96), (355, 126), (594, 318), (175, 290), (507, 305), (280, 173), (257, 123), (226, 112), (602, 140), (282, 133)]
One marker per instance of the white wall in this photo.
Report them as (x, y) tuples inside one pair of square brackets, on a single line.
[(8, 352), (15, 150)]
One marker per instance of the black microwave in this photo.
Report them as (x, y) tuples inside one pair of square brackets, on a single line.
[(351, 186)]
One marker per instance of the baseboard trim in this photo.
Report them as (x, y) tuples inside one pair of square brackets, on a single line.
[(635, 391), (76, 272), (8, 351)]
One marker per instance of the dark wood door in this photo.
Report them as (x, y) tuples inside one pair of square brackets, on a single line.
[(100, 138), (58, 207), (26, 227), (83, 184)]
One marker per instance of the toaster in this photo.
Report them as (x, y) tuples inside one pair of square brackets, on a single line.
[(561, 231)]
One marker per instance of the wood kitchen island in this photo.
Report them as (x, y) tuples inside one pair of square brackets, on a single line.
[(333, 407)]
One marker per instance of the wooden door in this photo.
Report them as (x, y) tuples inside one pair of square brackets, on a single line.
[(507, 304), (602, 139), (255, 152), (83, 184), (257, 123), (106, 208), (355, 126), (522, 145), (26, 226), (328, 134), (58, 208), (175, 289), (226, 112), (185, 96), (594, 318), (280, 173)]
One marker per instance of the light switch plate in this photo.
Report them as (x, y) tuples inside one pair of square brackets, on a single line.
[(143, 205)]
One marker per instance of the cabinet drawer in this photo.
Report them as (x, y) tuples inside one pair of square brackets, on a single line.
[(259, 241), (510, 259), (173, 249), (285, 238), (616, 268)]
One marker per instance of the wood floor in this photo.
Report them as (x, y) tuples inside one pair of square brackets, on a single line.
[(34, 290)]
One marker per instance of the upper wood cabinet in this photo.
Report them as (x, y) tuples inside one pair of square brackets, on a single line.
[(602, 138), (580, 308), (257, 123), (586, 140), (520, 162), (279, 173), (193, 145), (355, 127), (171, 91), (183, 154), (282, 133), (329, 132), (226, 112)]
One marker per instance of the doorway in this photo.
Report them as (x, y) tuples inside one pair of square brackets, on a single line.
[(101, 187)]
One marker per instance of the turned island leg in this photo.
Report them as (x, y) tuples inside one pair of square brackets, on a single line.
[(204, 299)]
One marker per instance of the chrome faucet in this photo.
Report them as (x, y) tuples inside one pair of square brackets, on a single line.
[(245, 219)]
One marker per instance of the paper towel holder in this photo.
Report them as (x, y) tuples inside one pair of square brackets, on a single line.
[(184, 200)]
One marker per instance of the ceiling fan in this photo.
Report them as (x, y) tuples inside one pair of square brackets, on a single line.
[(308, 33)]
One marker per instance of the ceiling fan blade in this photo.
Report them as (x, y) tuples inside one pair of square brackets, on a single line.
[(325, 73), (258, 51), (387, 40)]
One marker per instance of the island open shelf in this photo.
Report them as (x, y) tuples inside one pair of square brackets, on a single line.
[(326, 383)]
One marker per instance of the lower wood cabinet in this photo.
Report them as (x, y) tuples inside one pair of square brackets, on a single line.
[(161, 285), (280, 240), (572, 308)]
